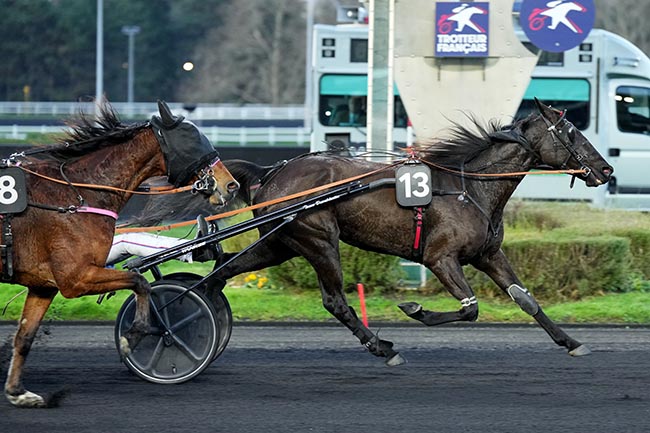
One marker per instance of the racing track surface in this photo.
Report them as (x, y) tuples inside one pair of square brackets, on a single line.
[(318, 379)]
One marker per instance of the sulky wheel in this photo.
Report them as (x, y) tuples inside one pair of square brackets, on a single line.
[(220, 305), (184, 334)]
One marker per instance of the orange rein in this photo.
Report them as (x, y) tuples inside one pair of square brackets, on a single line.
[(156, 190), (511, 174), (258, 205), (331, 185)]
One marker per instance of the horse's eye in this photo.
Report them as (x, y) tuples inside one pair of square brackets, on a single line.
[(571, 133)]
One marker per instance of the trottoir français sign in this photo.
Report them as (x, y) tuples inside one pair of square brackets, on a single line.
[(462, 29)]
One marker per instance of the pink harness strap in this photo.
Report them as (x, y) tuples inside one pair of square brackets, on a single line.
[(418, 228), (95, 210)]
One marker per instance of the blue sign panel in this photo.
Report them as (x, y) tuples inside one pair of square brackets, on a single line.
[(557, 25), (462, 29)]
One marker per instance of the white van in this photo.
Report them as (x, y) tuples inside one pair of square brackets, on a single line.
[(605, 85)]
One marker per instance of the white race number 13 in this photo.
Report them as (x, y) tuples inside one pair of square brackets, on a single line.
[(416, 184), (413, 185)]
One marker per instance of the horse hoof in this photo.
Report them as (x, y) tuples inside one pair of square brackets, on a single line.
[(581, 350), (26, 399), (396, 360), (410, 308), (125, 350)]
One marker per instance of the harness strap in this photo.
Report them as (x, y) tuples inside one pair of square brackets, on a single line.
[(258, 205), (6, 249), (417, 246), (98, 211), (76, 209), (150, 191)]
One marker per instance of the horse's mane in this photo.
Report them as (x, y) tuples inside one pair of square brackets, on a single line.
[(87, 133), (464, 143)]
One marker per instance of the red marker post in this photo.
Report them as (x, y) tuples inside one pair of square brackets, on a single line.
[(362, 302)]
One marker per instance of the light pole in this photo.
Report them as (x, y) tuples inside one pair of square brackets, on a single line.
[(131, 31), (99, 64), (309, 86)]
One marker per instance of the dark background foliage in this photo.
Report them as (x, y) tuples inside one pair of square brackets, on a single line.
[(244, 51)]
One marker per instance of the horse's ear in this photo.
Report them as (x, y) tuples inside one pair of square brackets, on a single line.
[(168, 119), (541, 107)]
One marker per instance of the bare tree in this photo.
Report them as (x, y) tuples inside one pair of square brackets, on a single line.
[(627, 18), (256, 56)]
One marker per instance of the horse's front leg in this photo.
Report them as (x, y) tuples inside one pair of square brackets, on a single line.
[(450, 274), (96, 280), (36, 304), (499, 269)]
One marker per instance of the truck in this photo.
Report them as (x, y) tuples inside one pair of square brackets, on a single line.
[(604, 84)]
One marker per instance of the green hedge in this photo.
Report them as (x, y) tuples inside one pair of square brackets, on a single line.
[(376, 271), (557, 252), (639, 250), (554, 267), (563, 269)]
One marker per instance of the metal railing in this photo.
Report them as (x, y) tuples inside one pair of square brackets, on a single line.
[(146, 109), (218, 135)]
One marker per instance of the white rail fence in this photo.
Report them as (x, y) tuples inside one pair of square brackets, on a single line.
[(146, 109), (218, 135)]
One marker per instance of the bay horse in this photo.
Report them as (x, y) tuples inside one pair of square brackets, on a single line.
[(74, 191), (463, 224)]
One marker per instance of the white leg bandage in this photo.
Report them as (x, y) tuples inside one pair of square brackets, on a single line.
[(468, 301)]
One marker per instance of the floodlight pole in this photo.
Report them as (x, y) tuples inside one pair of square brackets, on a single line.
[(131, 31), (99, 52)]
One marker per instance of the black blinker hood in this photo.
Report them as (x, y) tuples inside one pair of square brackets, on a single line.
[(186, 149)]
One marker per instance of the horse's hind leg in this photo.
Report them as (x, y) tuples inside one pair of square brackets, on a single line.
[(499, 269), (334, 301), (321, 251), (450, 274), (35, 307)]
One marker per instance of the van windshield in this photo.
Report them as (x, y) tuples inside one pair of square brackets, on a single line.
[(343, 101), (633, 109)]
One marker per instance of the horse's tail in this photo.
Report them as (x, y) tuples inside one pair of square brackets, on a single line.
[(250, 176)]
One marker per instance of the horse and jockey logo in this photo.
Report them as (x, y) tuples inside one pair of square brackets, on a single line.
[(557, 25), (462, 29)]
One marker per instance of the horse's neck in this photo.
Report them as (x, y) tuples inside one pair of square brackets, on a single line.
[(124, 166), (505, 159), (146, 159)]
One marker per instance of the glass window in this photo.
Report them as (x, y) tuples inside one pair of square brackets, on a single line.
[(633, 109), (343, 101), (571, 94), (359, 50)]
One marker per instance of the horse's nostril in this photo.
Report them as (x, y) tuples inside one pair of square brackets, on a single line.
[(232, 186), (607, 171)]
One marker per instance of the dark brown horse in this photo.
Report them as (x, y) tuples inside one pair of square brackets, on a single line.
[(62, 238), (462, 224)]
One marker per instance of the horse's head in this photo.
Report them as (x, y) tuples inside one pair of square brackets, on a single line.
[(190, 155), (562, 146)]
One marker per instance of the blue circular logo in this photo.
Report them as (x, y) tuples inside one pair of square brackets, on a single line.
[(557, 25)]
